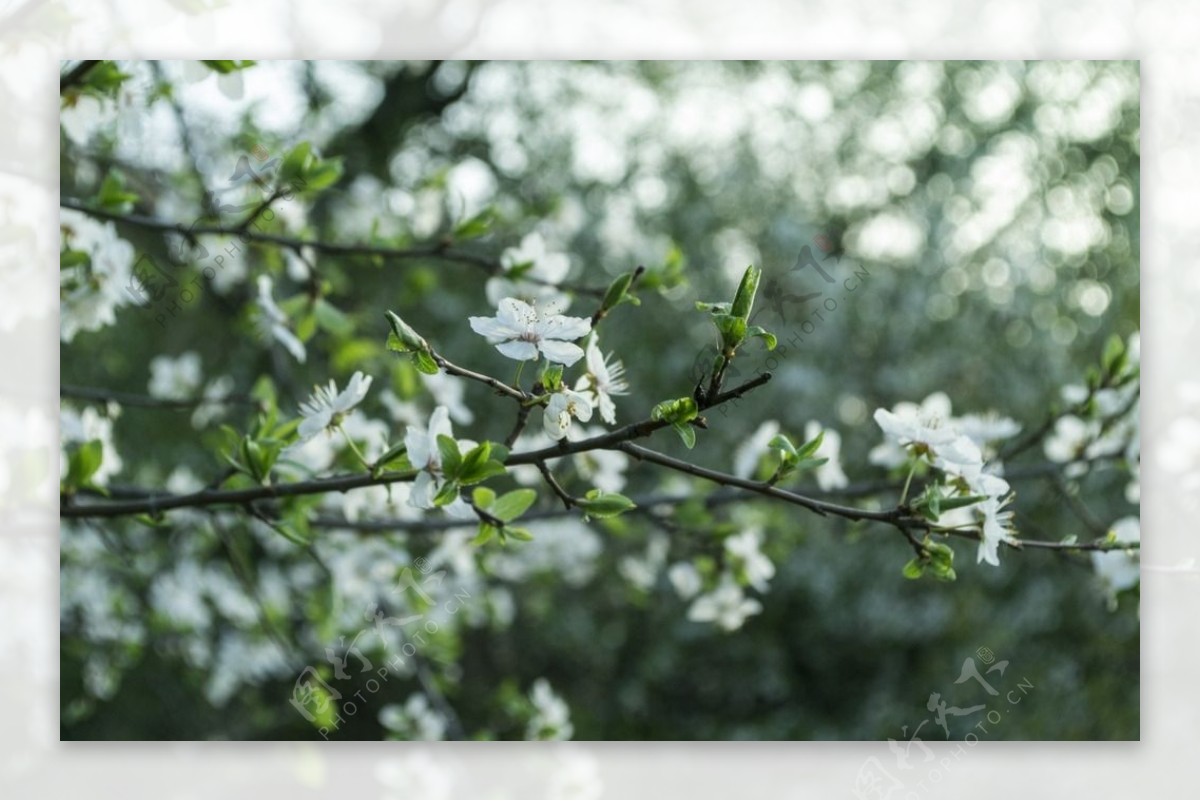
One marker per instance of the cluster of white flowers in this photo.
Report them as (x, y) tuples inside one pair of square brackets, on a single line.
[(1111, 429), (928, 432), (551, 719), (1120, 570), (79, 427), (90, 295), (726, 605), (175, 378), (415, 720)]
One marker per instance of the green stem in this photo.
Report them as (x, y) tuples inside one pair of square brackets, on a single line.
[(353, 447), (907, 482)]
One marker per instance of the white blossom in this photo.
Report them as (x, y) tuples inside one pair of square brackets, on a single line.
[(175, 378), (448, 392), (518, 331), (685, 578), (85, 426), (746, 455), (416, 720), (564, 405), (604, 469), (744, 547), (829, 475), (727, 606), (994, 530), (425, 455), (326, 408), (605, 377), (1120, 570), (273, 323), (90, 295), (551, 719), (909, 422), (545, 269)]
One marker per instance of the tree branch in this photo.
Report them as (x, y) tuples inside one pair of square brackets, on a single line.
[(75, 75), (440, 251)]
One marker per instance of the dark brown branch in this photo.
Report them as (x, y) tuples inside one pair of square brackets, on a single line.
[(97, 395), (440, 251), (75, 75)]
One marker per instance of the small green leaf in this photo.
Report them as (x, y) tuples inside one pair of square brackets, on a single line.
[(781, 443), (403, 338), (476, 226), (483, 497), (686, 433), (743, 301), (486, 532), (447, 494), (616, 291), (452, 459), (552, 377), (522, 534), (812, 446), (113, 194), (511, 505), (679, 410), (914, 569), (732, 330), (766, 336), (605, 504), (715, 308)]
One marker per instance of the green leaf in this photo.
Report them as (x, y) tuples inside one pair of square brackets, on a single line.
[(686, 433), (447, 494), (616, 291), (743, 301), (781, 443), (83, 463), (552, 377), (761, 333), (732, 329), (113, 194), (679, 410), (296, 164), (812, 446), (452, 459), (601, 504), (522, 534), (489, 469), (404, 339), (959, 501), (332, 319), (227, 66), (486, 532), (476, 226), (483, 497), (511, 505), (1114, 355), (425, 362), (914, 569), (323, 174), (715, 308)]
